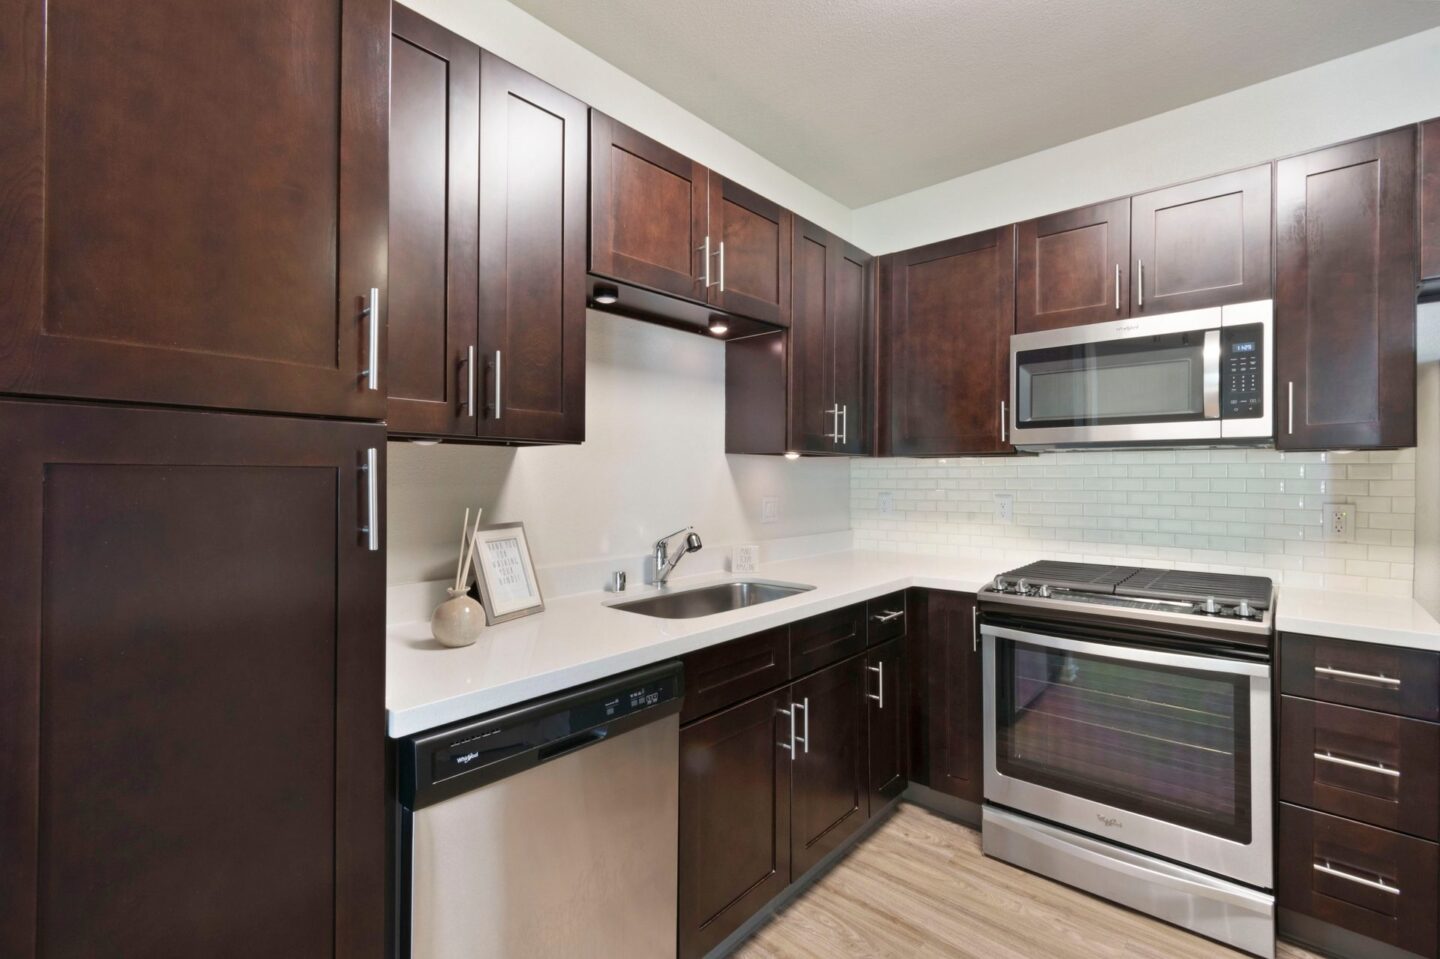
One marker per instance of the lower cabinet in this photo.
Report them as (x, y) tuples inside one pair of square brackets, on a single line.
[(945, 646), (830, 792), (886, 712)]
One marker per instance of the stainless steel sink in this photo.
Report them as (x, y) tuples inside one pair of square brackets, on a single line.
[(708, 600)]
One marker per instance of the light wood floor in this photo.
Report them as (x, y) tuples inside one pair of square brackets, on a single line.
[(919, 888)]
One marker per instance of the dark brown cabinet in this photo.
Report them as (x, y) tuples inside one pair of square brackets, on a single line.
[(194, 719), (749, 272), (944, 643), (735, 775), (948, 312), (1430, 200), (648, 211), (830, 792), (1202, 244), (434, 226), (1345, 282), (487, 210), (1072, 267), (223, 253), (887, 718)]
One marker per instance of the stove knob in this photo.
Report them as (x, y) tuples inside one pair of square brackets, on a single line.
[(1023, 587), (1210, 606), (1044, 591), (1244, 611), (1000, 584)]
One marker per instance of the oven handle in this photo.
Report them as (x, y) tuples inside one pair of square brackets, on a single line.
[(1124, 653)]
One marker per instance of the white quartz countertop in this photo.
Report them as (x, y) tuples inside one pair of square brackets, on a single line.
[(577, 639)]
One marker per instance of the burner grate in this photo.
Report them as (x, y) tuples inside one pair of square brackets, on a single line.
[(1080, 577), (1184, 584)]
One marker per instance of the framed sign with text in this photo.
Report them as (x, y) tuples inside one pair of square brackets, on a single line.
[(505, 573)]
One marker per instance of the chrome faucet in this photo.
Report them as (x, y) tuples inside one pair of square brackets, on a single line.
[(664, 562)]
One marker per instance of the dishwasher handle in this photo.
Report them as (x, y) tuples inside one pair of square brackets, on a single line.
[(568, 745)]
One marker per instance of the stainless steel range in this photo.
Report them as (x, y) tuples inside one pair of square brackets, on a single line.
[(1128, 739)]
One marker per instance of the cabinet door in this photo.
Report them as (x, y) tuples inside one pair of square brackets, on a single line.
[(886, 712), (735, 775), (750, 244), (1345, 295), (532, 258), (647, 211), (1202, 244), (952, 694), (434, 173), (1072, 268), (1430, 199), (191, 756), (851, 298), (945, 346), (195, 213), (830, 795)]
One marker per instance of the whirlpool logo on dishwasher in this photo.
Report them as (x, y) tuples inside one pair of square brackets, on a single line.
[(467, 758)]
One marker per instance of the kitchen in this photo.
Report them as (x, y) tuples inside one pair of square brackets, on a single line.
[(472, 255)]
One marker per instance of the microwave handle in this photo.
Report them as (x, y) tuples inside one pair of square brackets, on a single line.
[(1211, 381)]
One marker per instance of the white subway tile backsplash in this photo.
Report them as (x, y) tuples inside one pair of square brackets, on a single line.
[(1252, 511)]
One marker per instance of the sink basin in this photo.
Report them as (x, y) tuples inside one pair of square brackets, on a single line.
[(708, 600)]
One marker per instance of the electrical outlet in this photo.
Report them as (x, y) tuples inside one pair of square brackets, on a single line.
[(770, 509), (1005, 509), (887, 502), (1339, 522)]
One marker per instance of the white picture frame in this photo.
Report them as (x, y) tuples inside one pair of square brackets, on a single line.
[(505, 573)]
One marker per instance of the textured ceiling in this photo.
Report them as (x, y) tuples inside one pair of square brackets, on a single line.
[(867, 99)]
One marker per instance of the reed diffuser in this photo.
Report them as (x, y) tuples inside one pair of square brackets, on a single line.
[(459, 620)]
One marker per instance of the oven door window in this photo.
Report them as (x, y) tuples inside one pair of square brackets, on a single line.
[(1172, 378), (1171, 744)]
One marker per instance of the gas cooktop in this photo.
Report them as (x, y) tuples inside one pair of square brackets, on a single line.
[(1225, 600)]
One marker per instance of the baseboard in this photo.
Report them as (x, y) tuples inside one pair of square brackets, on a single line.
[(962, 811), (797, 888), (1329, 940)]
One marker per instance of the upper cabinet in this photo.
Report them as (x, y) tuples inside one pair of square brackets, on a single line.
[(1430, 201), (487, 251), (194, 214), (1072, 268), (947, 312), (1201, 244), (808, 390), (1345, 295), (749, 239)]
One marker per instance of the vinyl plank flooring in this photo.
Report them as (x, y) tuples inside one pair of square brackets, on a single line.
[(919, 888)]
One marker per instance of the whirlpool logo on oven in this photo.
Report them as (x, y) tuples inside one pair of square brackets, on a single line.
[(1109, 822)]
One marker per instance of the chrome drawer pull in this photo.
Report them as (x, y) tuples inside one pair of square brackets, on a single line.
[(1356, 764), (791, 744), (890, 615), (1357, 677), (1330, 870)]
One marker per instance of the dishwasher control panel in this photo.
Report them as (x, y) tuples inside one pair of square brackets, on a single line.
[(453, 759)]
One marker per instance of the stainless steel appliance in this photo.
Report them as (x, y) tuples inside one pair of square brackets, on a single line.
[(545, 830), (1201, 377), (1127, 731)]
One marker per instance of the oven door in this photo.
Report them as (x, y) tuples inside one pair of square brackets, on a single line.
[(1166, 752)]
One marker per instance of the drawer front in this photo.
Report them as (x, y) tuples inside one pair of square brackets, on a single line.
[(885, 618), (722, 675), (1368, 880), (1374, 767), (1405, 682), (827, 638)]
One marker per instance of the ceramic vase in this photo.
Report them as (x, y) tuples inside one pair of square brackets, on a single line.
[(457, 621)]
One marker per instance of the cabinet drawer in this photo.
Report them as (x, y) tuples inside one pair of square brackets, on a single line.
[(1371, 881), (885, 618), (1374, 767), (827, 638), (721, 675), (1405, 682)]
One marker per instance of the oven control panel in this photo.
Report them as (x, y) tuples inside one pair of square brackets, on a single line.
[(1242, 371)]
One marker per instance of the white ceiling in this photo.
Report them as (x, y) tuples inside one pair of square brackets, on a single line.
[(868, 99)]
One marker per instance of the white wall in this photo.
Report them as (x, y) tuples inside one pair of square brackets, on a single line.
[(653, 460), (1427, 464), (1366, 92), (511, 33)]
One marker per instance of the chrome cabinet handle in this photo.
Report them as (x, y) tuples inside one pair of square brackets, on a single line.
[(1117, 287), (1290, 409), (371, 529), (1333, 673), (834, 412), (805, 705), (1003, 425), (704, 251), (1140, 284), (1348, 876), (974, 629), (790, 746), (722, 266), (845, 424), (495, 407), (880, 696), (889, 616), (371, 312), (469, 403), (1356, 764)]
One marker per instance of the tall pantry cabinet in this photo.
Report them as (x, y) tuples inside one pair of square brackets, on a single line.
[(192, 663)]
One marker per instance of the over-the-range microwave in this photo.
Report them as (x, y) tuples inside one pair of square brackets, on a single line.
[(1198, 378)]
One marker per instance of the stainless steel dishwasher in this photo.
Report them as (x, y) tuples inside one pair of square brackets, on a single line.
[(546, 830)]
